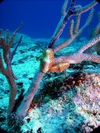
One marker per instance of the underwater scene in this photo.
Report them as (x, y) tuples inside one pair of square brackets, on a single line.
[(49, 66)]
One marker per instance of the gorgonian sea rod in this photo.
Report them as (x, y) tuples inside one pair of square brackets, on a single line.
[(48, 62)]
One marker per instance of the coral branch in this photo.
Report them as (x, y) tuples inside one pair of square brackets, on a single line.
[(73, 10), (13, 52), (6, 58), (64, 7), (87, 7), (62, 23), (79, 56), (71, 28), (22, 110), (75, 34), (77, 24)]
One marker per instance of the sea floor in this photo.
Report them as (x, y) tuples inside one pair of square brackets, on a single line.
[(67, 102)]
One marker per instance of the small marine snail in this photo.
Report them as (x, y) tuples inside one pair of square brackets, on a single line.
[(47, 60)]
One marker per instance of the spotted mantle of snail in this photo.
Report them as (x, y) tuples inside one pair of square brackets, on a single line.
[(48, 62)]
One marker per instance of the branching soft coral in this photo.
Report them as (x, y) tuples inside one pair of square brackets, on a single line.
[(48, 62), (6, 59)]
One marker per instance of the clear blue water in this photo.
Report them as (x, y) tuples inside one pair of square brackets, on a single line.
[(40, 17)]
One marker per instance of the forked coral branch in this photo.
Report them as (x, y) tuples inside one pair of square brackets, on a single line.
[(66, 15), (75, 31), (5, 64), (79, 56), (48, 62)]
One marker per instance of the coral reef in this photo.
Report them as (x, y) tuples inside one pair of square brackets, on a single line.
[(66, 95)]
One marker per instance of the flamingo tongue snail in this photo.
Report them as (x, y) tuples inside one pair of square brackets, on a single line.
[(48, 62)]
